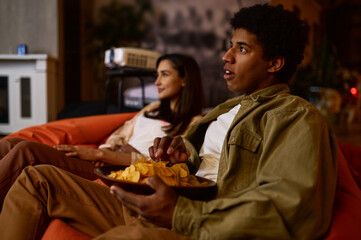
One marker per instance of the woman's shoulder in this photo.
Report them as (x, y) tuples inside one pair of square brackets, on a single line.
[(196, 118), (151, 106)]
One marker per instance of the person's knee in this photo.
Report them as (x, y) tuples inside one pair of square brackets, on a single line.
[(26, 153), (43, 175), (29, 149), (25, 174), (38, 171), (24, 144), (44, 168), (12, 141)]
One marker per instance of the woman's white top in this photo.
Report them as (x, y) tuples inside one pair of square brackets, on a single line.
[(213, 142), (144, 133)]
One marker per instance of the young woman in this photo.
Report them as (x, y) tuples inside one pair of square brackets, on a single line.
[(181, 97)]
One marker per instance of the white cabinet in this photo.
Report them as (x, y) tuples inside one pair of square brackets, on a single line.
[(28, 94)]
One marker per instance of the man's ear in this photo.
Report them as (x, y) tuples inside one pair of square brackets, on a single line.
[(276, 64)]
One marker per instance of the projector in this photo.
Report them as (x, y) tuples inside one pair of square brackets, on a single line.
[(131, 57)]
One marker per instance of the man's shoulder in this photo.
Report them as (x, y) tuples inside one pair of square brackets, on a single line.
[(294, 101), (284, 103)]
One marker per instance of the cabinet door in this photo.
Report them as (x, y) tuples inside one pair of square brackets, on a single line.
[(28, 99), (4, 99)]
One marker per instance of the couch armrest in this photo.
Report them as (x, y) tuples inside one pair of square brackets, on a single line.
[(91, 130)]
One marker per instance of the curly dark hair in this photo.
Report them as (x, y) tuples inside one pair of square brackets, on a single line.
[(280, 32)]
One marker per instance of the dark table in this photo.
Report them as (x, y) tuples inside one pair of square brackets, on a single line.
[(121, 75)]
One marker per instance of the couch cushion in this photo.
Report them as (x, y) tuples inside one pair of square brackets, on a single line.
[(346, 214), (58, 229), (90, 130), (353, 155)]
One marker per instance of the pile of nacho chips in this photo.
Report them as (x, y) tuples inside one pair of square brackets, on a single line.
[(176, 175)]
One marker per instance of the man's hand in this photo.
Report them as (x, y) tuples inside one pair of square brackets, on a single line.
[(158, 207), (170, 149), (80, 152)]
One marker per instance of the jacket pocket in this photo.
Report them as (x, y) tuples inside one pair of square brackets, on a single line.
[(240, 167), (245, 139)]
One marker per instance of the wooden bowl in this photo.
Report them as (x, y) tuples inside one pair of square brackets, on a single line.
[(204, 192)]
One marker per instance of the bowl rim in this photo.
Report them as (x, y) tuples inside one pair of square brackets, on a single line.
[(211, 183)]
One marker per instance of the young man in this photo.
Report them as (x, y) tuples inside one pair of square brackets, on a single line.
[(273, 156)]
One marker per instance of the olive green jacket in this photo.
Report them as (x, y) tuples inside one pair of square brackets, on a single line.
[(277, 172)]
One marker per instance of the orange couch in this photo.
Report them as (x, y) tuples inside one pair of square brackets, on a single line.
[(84, 131), (92, 131)]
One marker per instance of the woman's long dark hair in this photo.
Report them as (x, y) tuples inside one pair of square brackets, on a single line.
[(191, 98)]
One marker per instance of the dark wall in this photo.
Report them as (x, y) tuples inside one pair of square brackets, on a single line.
[(72, 76), (200, 30)]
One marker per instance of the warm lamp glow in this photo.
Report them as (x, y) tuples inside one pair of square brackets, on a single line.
[(354, 92)]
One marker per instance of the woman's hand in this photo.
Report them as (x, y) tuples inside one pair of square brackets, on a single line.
[(170, 149), (127, 148), (80, 152), (158, 207), (99, 164)]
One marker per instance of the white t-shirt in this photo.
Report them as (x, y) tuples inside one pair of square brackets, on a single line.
[(144, 133), (213, 142)]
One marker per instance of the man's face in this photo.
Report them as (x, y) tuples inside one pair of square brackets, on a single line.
[(246, 69)]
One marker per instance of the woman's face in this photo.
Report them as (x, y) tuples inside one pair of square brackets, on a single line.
[(168, 82)]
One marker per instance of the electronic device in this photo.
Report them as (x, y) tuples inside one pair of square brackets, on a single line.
[(131, 57)]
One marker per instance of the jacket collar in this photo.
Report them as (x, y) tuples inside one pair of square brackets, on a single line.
[(256, 97), (266, 93)]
